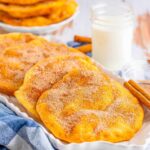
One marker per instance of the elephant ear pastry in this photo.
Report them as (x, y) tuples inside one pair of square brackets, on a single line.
[(39, 9), (15, 61), (15, 39), (86, 105), (20, 51), (41, 14), (21, 2), (43, 76)]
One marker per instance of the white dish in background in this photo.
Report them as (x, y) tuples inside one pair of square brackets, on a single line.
[(40, 30), (141, 141), (136, 70)]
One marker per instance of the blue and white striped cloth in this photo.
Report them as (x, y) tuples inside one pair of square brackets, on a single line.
[(18, 133)]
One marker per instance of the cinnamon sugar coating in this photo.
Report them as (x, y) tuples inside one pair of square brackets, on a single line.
[(43, 76), (19, 52), (15, 39), (86, 105), (76, 100)]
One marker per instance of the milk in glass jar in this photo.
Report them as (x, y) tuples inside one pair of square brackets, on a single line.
[(112, 33)]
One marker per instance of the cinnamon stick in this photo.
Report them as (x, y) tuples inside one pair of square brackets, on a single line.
[(140, 89), (140, 94), (78, 38), (85, 48)]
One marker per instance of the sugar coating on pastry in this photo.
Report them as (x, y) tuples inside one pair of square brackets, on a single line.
[(63, 50), (38, 9), (43, 76), (15, 61), (20, 51), (86, 105), (14, 39)]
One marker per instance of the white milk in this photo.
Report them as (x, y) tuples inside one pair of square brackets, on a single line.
[(112, 38)]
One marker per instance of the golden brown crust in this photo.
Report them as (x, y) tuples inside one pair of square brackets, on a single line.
[(43, 76), (55, 17), (39, 9), (88, 106), (76, 101), (14, 39), (15, 61), (19, 52), (21, 2)]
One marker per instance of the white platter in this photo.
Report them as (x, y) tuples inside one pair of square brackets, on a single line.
[(40, 30), (141, 140)]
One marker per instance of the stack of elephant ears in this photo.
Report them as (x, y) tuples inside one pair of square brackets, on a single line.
[(60, 86), (32, 13)]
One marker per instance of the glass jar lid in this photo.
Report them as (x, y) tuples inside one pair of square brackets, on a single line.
[(104, 13)]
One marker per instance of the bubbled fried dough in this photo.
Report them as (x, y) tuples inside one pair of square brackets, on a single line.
[(63, 50), (88, 106), (43, 76), (21, 2), (39, 9), (15, 39), (42, 20), (22, 52), (15, 61)]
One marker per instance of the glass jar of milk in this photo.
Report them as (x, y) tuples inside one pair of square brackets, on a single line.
[(112, 33)]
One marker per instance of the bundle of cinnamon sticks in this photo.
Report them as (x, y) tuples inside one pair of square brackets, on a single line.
[(86, 45), (138, 91)]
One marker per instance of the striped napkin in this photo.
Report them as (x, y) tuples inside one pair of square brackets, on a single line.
[(18, 133)]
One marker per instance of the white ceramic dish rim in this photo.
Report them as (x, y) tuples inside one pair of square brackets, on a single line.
[(38, 29), (79, 146)]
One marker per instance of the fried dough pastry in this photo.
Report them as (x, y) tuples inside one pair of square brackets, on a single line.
[(63, 50), (51, 18), (14, 39), (39, 9), (21, 2), (17, 60), (86, 105), (43, 76)]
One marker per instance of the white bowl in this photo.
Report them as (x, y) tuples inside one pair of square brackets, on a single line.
[(40, 30)]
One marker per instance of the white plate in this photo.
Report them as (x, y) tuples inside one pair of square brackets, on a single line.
[(38, 29), (141, 141)]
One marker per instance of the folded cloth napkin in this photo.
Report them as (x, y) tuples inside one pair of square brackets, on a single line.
[(18, 133)]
